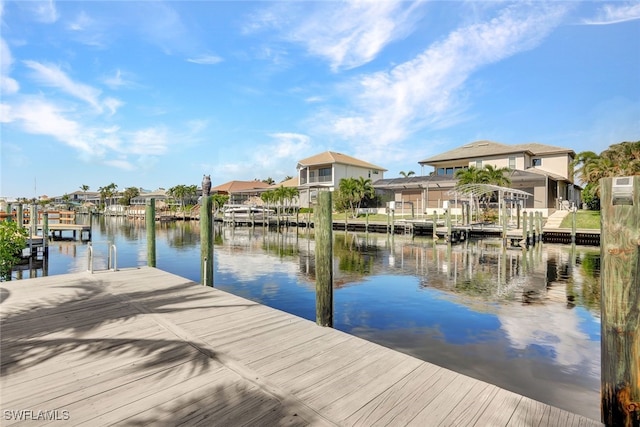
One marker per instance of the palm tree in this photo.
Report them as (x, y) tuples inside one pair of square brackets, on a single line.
[(106, 193), (470, 175), (496, 176), (407, 174), (84, 188), (364, 189), (348, 189), (621, 159)]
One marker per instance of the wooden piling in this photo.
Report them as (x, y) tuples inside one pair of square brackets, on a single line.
[(393, 221), (435, 225), (150, 224), (20, 215), (518, 215), (620, 303), (573, 227), (504, 223), (206, 242), (448, 219), (525, 235), (532, 230), (45, 230), (324, 260)]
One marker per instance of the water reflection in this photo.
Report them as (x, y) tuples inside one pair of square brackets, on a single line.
[(527, 321)]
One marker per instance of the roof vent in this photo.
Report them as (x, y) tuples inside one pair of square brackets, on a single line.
[(482, 144), (468, 146)]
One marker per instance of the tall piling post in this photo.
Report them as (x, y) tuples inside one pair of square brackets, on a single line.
[(573, 226), (435, 225), (20, 215), (206, 242), (448, 219), (620, 300), (504, 222), (324, 260), (525, 235), (150, 225), (532, 230)]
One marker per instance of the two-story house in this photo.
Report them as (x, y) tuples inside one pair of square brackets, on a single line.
[(325, 170), (544, 171)]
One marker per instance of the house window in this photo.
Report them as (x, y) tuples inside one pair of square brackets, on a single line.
[(449, 171), (440, 171), (512, 162), (479, 164), (324, 175), (536, 162)]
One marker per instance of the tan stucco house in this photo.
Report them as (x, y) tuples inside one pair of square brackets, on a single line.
[(544, 171), (325, 170)]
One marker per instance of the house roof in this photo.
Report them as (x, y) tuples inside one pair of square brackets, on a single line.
[(490, 148), (234, 186), (293, 182), (415, 181), (330, 157)]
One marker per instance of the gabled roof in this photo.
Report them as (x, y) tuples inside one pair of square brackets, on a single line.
[(233, 186), (331, 157), (490, 148)]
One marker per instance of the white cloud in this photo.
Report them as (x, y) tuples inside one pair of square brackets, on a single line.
[(8, 85), (120, 164), (205, 59), (44, 10), (616, 13), (81, 23), (118, 80), (151, 141), (40, 117), (289, 145), (347, 34), (52, 76), (429, 89)]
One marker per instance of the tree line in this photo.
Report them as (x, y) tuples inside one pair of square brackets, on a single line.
[(621, 159)]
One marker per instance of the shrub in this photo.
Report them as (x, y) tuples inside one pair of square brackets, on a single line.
[(13, 239)]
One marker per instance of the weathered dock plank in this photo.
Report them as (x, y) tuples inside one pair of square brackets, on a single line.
[(141, 346)]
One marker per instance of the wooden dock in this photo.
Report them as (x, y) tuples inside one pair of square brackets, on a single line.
[(141, 346)]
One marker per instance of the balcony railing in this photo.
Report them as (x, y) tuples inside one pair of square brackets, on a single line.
[(315, 180)]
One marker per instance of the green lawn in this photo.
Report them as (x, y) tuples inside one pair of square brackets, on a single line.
[(584, 219)]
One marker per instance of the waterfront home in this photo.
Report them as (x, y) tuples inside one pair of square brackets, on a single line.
[(544, 171), (241, 192), (325, 170)]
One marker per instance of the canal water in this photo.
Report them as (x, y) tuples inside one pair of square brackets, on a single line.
[(527, 321)]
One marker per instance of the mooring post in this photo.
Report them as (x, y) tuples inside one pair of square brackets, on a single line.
[(620, 300), (518, 215), (45, 231), (448, 219), (532, 228), (20, 215), (393, 221), (539, 223), (573, 226), (525, 237), (435, 223), (504, 223), (150, 224), (324, 260), (206, 242)]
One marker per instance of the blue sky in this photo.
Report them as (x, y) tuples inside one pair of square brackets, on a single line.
[(156, 94)]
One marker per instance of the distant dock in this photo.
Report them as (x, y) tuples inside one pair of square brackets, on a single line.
[(142, 346)]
